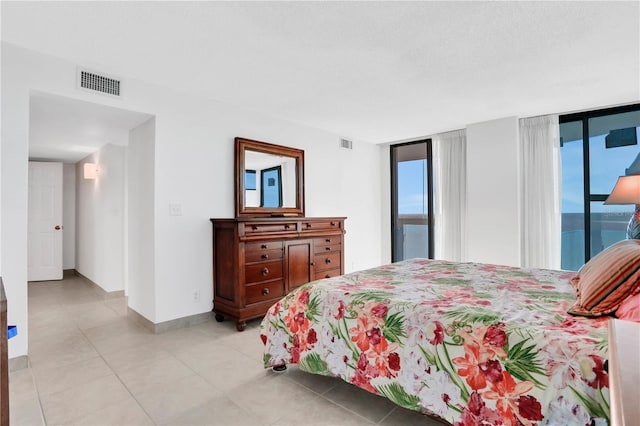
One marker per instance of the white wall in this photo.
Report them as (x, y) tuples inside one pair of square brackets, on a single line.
[(140, 219), (69, 216), (348, 182), (193, 167), (493, 192), (14, 192), (100, 219)]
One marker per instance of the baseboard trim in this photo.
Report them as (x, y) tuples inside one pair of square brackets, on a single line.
[(105, 294), (18, 363), (170, 325)]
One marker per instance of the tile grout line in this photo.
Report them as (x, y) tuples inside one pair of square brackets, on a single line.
[(116, 374), (30, 365), (387, 416), (68, 313), (35, 384)]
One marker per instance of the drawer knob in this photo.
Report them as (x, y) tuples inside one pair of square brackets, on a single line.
[(287, 226), (265, 271), (333, 224), (327, 261), (254, 227), (265, 256), (328, 240), (327, 248), (327, 276), (265, 291), (308, 225), (263, 246), (313, 263)]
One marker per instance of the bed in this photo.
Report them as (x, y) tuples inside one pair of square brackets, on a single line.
[(467, 343)]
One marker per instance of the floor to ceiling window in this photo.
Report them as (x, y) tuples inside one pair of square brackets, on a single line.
[(596, 148), (411, 195)]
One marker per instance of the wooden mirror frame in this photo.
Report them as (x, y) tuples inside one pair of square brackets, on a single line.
[(241, 146)]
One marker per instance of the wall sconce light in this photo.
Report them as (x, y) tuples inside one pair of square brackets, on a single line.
[(90, 171)]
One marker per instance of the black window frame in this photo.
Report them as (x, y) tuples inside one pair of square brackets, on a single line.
[(584, 117), (394, 195)]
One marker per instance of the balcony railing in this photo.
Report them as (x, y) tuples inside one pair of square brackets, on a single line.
[(412, 236)]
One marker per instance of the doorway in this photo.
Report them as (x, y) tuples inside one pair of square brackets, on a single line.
[(70, 133), (44, 243)]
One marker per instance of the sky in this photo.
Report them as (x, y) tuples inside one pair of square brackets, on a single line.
[(605, 167), (412, 198)]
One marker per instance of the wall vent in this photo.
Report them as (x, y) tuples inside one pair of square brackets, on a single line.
[(94, 82), (345, 143)]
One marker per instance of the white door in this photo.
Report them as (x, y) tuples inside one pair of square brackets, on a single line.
[(45, 221)]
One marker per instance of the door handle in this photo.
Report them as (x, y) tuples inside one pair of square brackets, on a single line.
[(57, 227)]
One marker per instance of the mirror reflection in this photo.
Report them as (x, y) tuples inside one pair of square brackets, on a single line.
[(269, 180)]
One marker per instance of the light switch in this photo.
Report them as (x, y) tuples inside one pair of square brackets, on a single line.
[(175, 209)]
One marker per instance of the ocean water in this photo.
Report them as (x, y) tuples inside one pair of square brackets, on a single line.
[(607, 228)]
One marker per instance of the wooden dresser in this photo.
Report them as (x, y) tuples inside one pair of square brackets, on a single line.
[(256, 261)]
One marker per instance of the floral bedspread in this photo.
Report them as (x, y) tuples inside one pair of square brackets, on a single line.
[(469, 343)]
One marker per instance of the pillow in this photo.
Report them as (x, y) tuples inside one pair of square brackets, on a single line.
[(630, 309), (605, 281)]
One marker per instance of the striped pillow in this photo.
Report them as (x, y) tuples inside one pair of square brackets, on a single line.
[(605, 281)]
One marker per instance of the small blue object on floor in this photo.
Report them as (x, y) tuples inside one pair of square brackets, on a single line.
[(12, 331)]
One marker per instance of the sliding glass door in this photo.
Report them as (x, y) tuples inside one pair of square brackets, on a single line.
[(596, 148), (411, 195)]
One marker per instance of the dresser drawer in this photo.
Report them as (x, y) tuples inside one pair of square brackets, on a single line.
[(320, 225), (319, 249), (259, 228), (264, 271), (262, 251), (262, 255), (263, 245), (329, 240), (264, 291), (323, 262), (327, 274)]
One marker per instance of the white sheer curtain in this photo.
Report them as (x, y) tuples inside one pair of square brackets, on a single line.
[(541, 180), (450, 193)]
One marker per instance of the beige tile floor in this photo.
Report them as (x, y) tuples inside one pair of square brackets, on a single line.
[(91, 365)]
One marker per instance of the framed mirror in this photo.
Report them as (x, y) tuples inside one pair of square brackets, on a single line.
[(269, 179)]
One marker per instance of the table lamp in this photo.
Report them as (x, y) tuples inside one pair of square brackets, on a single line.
[(627, 191)]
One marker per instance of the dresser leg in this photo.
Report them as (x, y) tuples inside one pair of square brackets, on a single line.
[(219, 317), (241, 325)]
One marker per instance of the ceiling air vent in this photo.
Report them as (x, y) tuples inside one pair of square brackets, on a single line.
[(345, 143), (98, 83)]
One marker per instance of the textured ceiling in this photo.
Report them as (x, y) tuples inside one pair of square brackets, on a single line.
[(371, 71)]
